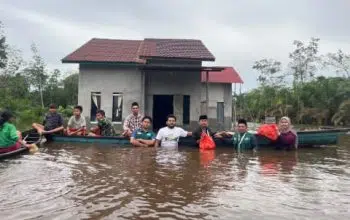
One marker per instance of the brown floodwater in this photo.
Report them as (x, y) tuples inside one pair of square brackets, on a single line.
[(81, 181)]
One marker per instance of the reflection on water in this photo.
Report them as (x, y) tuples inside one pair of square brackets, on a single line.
[(94, 182)]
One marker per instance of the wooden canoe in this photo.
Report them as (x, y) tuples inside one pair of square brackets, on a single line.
[(30, 138), (305, 138), (13, 153)]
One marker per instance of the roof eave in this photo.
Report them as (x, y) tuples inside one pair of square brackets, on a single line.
[(222, 82), (102, 62), (178, 58)]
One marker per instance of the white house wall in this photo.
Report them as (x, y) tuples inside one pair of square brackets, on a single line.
[(218, 92), (108, 80)]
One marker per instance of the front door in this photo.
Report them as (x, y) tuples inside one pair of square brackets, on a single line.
[(162, 107)]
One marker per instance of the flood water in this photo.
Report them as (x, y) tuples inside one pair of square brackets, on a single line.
[(103, 182)]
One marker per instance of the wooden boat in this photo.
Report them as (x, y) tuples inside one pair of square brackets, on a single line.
[(13, 153), (30, 138), (305, 138)]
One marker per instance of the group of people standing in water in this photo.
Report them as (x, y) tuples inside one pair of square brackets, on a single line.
[(138, 128)]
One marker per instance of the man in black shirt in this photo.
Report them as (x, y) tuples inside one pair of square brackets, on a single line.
[(203, 128), (53, 122)]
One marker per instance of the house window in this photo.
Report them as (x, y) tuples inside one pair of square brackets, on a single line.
[(186, 110), (220, 112), (117, 108), (95, 104)]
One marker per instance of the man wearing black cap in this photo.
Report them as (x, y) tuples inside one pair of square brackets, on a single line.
[(203, 128)]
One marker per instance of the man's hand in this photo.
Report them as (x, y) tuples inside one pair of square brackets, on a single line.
[(217, 135)]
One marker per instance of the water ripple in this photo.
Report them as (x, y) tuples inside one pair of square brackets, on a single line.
[(92, 182)]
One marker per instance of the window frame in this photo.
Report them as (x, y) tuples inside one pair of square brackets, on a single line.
[(98, 107), (120, 95)]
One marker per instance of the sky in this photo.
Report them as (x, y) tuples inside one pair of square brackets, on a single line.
[(238, 33)]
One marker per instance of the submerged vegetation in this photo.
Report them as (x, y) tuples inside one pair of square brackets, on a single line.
[(298, 90)]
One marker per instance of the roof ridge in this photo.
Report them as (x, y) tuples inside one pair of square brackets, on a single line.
[(111, 39), (182, 39)]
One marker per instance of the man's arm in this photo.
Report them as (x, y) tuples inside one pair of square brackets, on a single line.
[(147, 142), (158, 138), (132, 137), (74, 132), (60, 128), (254, 143), (54, 130), (70, 122), (196, 134), (157, 144), (215, 134), (126, 123), (184, 133)]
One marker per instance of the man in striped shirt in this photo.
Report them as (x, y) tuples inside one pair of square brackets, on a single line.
[(132, 121)]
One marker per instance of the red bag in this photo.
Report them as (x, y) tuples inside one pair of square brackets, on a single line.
[(269, 130), (206, 142)]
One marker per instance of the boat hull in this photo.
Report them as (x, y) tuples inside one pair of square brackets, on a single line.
[(305, 138), (13, 153)]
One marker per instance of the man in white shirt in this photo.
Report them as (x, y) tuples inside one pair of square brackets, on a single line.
[(169, 136), (76, 123)]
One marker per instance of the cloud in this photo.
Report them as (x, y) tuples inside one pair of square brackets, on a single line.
[(237, 32)]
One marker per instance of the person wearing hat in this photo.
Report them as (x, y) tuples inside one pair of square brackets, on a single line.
[(243, 139), (203, 127), (10, 138), (53, 122)]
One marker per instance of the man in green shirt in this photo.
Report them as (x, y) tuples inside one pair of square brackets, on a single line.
[(143, 137), (242, 139), (104, 126)]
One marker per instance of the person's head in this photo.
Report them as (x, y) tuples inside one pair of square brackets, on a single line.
[(242, 126), (77, 110), (52, 108), (6, 116), (146, 122), (100, 114), (284, 123), (135, 108), (171, 121), (203, 121)]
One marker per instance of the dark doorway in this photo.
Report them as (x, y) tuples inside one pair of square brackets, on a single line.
[(162, 107), (186, 110)]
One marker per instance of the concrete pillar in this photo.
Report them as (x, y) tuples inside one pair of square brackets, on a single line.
[(178, 109)]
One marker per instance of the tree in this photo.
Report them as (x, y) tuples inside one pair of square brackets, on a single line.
[(270, 72), (3, 48), (303, 65), (340, 61), (343, 113), (37, 74), (70, 84), (52, 88), (304, 60)]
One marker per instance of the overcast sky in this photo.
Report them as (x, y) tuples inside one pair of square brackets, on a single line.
[(236, 32)]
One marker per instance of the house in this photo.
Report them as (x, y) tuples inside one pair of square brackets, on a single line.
[(165, 76)]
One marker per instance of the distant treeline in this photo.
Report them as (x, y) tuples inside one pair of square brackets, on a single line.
[(27, 87), (298, 90)]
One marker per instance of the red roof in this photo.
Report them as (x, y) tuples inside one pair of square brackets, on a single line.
[(136, 51), (177, 48), (228, 75)]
